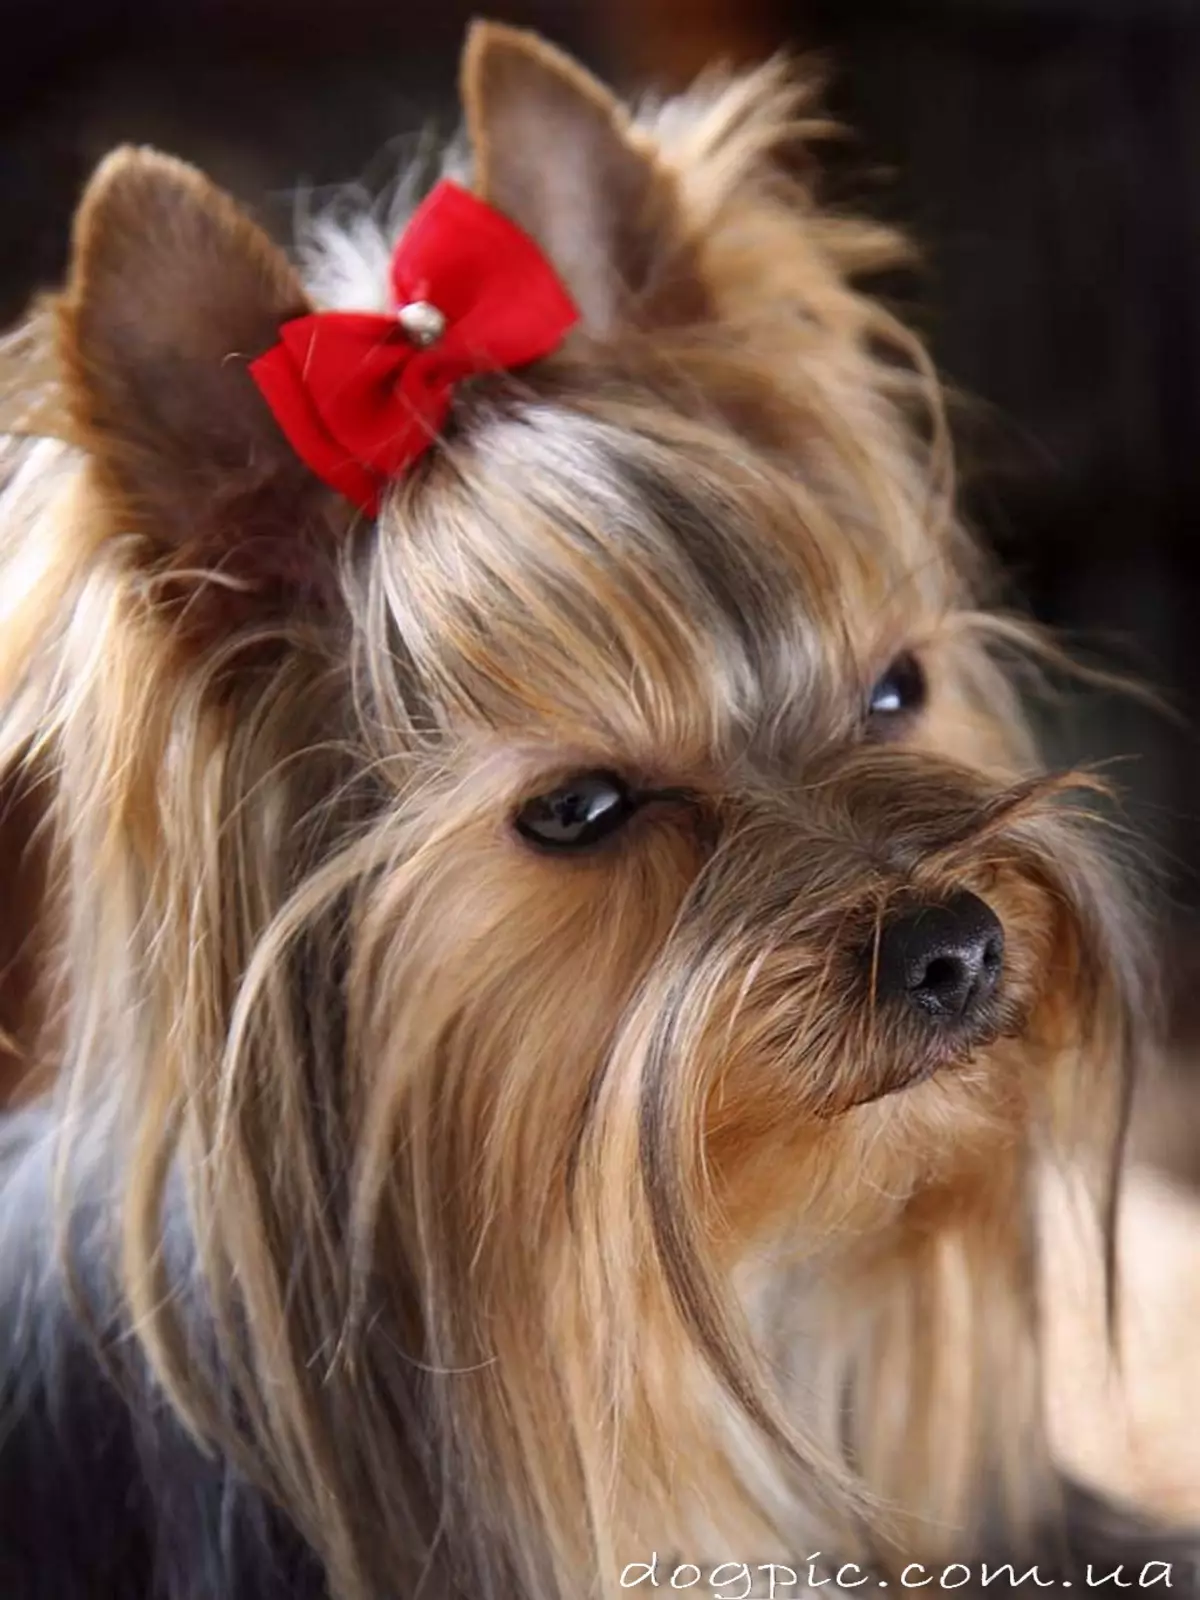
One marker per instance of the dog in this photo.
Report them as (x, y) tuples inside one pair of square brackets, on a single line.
[(543, 969)]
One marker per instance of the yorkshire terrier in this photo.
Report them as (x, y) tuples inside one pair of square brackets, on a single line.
[(540, 970)]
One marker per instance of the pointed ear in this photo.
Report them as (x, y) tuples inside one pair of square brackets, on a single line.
[(556, 152), (172, 292)]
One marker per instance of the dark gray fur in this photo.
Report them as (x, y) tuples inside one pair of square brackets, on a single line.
[(103, 1496)]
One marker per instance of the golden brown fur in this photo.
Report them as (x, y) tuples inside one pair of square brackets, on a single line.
[(544, 1212)]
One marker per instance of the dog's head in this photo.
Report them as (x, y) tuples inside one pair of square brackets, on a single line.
[(622, 856)]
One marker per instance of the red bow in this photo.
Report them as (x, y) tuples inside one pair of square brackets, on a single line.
[(361, 396)]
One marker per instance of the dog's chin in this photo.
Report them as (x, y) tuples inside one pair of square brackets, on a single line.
[(940, 1054)]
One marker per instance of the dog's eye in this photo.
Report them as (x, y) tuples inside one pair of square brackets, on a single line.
[(900, 692), (580, 813)]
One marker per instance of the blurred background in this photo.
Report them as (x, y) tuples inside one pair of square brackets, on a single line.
[(1044, 153)]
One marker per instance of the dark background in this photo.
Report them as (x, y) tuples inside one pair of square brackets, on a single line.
[(1044, 153)]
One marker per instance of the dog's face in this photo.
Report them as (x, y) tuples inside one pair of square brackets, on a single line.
[(704, 803), (705, 794), (735, 823), (624, 850)]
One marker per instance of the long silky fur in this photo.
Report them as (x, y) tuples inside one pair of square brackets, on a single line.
[(368, 1232)]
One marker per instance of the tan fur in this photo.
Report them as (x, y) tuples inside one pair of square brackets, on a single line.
[(24, 952), (1122, 1418), (605, 210), (507, 1132)]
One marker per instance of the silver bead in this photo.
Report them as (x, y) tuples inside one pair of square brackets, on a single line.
[(423, 323)]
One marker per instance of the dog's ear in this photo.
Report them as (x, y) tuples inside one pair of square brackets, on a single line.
[(556, 152), (172, 292)]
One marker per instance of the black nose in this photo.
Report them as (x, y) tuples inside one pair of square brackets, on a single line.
[(943, 960)]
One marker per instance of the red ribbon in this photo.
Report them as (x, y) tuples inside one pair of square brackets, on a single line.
[(358, 400)]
